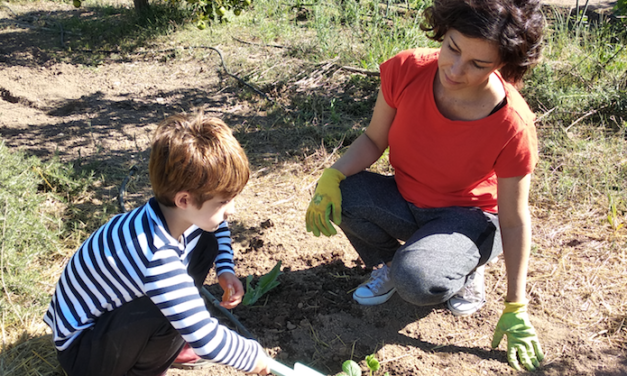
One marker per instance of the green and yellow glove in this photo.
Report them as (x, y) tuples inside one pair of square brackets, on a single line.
[(522, 341), (326, 202)]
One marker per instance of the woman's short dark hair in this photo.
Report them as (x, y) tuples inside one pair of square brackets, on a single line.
[(515, 26)]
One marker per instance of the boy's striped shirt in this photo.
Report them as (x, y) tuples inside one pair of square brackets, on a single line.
[(131, 256)]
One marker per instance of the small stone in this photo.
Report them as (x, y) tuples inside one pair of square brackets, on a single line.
[(267, 224)]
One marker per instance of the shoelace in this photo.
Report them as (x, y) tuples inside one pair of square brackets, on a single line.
[(469, 293), (378, 278)]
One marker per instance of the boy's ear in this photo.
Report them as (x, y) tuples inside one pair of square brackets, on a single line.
[(183, 200)]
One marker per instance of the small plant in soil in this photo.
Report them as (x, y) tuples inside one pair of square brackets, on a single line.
[(266, 283), (351, 368)]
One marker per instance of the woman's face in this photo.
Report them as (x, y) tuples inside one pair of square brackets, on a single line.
[(466, 62)]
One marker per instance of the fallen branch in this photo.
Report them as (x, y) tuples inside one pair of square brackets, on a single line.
[(545, 115), (191, 47), (359, 70), (232, 75), (592, 112), (259, 44)]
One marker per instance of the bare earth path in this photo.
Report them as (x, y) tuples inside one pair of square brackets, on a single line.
[(592, 4), (102, 116)]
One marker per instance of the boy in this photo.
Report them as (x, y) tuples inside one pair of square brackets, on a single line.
[(128, 300)]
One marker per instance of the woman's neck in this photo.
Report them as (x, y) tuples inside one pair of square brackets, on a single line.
[(471, 103)]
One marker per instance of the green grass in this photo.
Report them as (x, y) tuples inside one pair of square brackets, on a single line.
[(584, 167), (33, 199), (583, 73)]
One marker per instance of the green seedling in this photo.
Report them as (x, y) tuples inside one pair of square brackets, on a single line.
[(266, 283), (613, 217), (351, 368), (372, 363)]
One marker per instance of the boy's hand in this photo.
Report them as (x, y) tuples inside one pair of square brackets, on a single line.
[(233, 290), (261, 368), (326, 204)]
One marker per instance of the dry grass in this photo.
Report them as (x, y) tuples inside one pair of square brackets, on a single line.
[(34, 357)]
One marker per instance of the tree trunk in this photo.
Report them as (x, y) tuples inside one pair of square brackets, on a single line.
[(140, 5)]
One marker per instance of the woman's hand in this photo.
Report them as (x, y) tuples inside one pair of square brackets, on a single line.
[(523, 346), (326, 204), (233, 290)]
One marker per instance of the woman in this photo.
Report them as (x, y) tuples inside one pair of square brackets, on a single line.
[(463, 145)]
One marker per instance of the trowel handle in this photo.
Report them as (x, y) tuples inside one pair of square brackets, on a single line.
[(279, 369)]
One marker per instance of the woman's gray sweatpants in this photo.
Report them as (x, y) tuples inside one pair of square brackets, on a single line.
[(442, 246)]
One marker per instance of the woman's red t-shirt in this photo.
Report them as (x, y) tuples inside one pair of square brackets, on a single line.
[(440, 162)]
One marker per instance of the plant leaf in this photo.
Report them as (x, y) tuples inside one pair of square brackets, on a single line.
[(351, 368), (248, 296), (266, 283), (373, 363)]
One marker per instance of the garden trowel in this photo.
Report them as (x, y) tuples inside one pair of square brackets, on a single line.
[(299, 369)]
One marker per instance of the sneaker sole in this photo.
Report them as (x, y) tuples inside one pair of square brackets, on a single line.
[(375, 300), (458, 312), (191, 366)]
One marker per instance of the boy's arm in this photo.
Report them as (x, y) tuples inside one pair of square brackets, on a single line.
[(224, 259), (172, 289), (225, 269), (180, 302)]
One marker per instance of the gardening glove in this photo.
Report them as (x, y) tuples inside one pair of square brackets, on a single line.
[(522, 341), (326, 201)]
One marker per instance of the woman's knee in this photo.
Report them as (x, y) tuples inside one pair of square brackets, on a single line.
[(423, 279), (419, 286)]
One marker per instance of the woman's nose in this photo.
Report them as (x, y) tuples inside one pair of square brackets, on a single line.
[(457, 69)]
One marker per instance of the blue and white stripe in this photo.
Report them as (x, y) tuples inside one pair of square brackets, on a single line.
[(134, 255)]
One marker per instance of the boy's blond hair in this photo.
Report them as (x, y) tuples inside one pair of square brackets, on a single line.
[(199, 155)]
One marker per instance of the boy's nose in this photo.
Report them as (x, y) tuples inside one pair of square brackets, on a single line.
[(230, 209)]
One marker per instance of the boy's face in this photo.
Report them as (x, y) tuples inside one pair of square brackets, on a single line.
[(211, 213)]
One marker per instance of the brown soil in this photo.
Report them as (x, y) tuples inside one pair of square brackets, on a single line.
[(592, 4), (102, 117)]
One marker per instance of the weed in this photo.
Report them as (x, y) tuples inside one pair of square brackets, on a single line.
[(351, 368), (266, 283), (613, 218)]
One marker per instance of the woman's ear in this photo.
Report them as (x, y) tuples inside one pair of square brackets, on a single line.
[(182, 200)]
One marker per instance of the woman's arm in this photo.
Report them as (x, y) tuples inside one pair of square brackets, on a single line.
[(368, 147), (515, 223), (523, 346)]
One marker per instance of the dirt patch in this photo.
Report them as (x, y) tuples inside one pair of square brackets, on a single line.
[(603, 5), (101, 117)]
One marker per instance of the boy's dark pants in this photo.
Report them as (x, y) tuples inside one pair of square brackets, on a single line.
[(135, 339)]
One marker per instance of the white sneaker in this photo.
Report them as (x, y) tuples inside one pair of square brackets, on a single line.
[(378, 289), (471, 297)]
